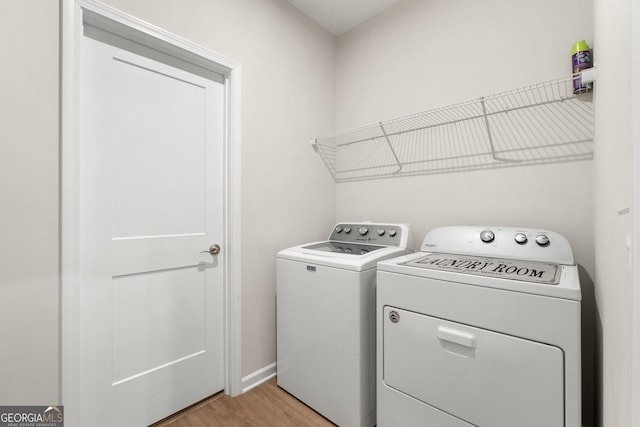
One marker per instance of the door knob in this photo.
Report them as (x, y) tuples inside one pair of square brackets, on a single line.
[(213, 249)]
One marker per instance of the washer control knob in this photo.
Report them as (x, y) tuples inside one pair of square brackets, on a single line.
[(347, 230), (338, 229), (380, 232), (542, 240), (521, 238), (363, 231), (393, 233), (487, 236)]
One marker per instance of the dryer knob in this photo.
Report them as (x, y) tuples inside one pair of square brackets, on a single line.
[(542, 240), (380, 232), (347, 230), (392, 233), (487, 236), (521, 238), (338, 229), (363, 230)]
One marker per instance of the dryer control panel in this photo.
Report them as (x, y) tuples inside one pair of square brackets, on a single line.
[(371, 233), (518, 243)]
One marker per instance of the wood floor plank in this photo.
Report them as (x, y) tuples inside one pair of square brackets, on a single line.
[(266, 406)]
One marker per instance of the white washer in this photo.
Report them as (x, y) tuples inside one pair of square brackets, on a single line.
[(326, 319), (481, 328)]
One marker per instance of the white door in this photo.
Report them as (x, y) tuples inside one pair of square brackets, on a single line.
[(151, 185)]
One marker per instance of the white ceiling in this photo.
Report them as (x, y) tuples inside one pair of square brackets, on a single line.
[(339, 16)]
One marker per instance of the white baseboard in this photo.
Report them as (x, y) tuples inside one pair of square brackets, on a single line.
[(258, 377)]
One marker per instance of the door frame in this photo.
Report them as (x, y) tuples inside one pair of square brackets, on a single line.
[(74, 15)]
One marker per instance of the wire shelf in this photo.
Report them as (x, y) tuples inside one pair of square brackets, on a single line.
[(541, 123)]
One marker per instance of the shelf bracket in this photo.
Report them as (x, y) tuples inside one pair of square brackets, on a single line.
[(395, 156), (486, 123), (588, 75)]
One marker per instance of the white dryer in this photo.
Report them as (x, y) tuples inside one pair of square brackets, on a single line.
[(326, 319), (481, 328)]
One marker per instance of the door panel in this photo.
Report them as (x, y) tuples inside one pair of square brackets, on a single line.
[(165, 117), (171, 328), (151, 202)]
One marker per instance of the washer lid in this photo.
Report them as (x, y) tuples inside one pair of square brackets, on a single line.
[(526, 271), (342, 248)]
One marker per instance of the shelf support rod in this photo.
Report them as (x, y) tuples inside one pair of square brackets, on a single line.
[(318, 149), (486, 123), (395, 156)]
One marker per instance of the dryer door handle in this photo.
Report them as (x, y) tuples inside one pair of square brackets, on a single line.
[(457, 337)]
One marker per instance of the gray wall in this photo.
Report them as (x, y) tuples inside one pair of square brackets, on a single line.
[(422, 55), (29, 204)]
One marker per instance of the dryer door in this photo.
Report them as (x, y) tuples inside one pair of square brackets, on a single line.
[(485, 378)]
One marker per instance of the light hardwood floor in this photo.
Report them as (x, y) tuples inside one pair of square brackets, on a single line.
[(264, 406)]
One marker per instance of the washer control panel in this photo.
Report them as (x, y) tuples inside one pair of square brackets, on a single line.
[(520, 238), (371, 233), (500, 242)]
